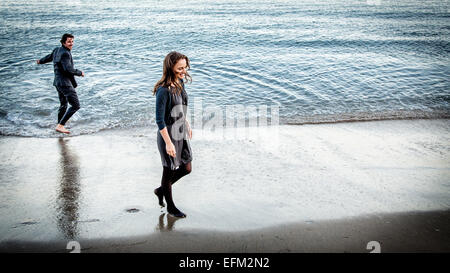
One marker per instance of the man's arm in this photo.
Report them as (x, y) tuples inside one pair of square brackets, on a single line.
[(67, 65), (46, 59)]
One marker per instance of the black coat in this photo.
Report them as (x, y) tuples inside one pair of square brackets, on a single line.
[(63, 66)]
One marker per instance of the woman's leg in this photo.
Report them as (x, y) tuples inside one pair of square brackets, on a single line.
[(183, 170), (166, 186)]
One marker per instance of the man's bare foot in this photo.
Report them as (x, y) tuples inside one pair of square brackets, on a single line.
[(60, 128)]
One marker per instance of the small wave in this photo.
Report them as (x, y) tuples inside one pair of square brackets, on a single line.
[(363, 117), (275, 87), (48, 132), (78, 128)]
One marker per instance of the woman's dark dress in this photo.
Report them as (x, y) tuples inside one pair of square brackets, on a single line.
[(175, 121)]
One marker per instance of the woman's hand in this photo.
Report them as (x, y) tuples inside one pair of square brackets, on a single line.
[(189, 130), (170, 149)]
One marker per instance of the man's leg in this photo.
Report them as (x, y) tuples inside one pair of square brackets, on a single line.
[(72, 98), (63, 104)]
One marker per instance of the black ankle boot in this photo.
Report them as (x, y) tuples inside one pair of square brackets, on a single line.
[(160, 195)]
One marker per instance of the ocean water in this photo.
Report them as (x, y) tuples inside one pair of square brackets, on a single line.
[(318, 61)]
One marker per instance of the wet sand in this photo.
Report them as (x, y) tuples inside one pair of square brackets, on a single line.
[(424, 232), (310, 188)]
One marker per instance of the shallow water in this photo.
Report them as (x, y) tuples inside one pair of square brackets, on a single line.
[(319, 61)]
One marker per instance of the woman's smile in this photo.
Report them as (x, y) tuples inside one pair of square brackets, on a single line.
[(180, 68)]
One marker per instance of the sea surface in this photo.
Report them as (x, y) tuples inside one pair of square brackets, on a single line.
[(316, 61)]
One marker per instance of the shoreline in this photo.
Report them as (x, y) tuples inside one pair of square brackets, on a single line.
[(152, 126), (99, 189), (367, 120)]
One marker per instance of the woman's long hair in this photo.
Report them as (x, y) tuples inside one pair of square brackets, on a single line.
[(168, 78)]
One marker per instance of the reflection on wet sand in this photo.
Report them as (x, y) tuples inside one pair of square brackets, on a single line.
[(68, 195), (170, 222)]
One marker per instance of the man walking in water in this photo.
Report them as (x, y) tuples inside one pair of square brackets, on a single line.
[(64, 80)]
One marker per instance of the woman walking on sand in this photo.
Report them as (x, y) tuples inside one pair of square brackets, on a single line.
[(173, 145)]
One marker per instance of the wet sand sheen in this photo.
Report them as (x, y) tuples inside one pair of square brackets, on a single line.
[(256, 181), (397, 232)]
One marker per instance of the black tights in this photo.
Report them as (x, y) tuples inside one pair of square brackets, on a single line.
[(168, 178)]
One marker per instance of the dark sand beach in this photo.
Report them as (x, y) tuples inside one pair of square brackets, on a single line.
[(396, 233), (310, 188)]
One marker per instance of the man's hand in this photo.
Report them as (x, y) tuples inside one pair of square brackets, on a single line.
[(82, 74), (38, 62)]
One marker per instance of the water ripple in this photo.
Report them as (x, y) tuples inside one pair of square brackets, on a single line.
[(319, 61)]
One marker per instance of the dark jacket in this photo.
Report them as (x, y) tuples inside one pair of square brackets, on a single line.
[(63, 67), (165, 101)]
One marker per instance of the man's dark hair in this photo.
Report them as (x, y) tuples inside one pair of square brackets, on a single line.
[(65, 36)]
